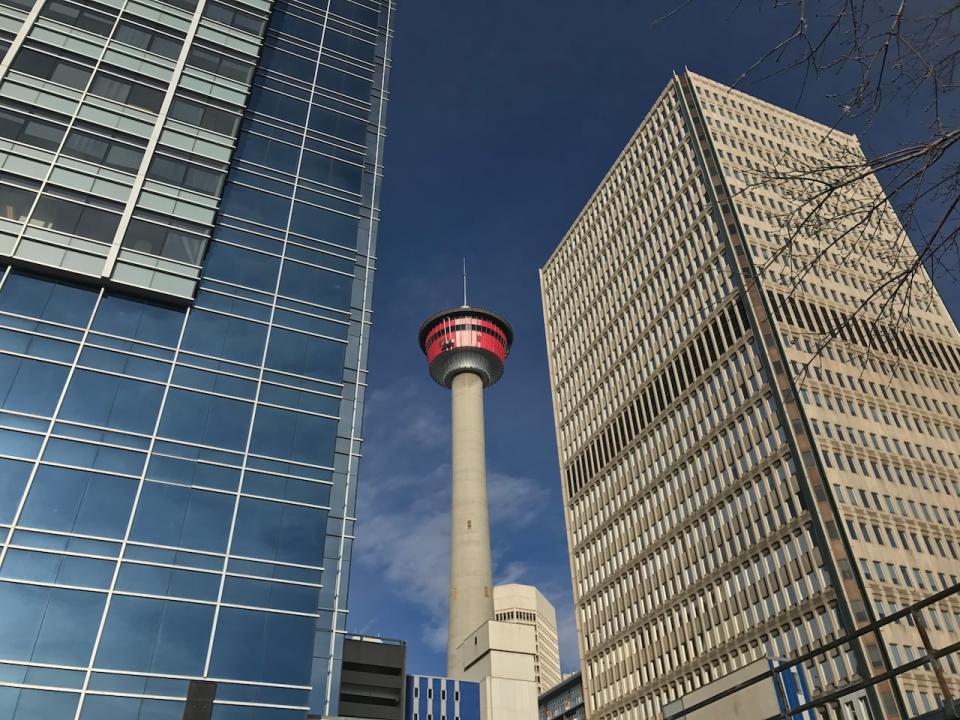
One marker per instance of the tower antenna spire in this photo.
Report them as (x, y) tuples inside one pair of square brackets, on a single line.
[(465, 281)]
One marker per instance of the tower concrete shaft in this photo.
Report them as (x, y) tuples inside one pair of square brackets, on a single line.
[(466, 348), (471, 572)]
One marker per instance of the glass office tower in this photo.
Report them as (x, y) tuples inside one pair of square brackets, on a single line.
[(188, 212)]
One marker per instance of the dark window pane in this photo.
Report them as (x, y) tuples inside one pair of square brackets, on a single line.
[(48, 625), (62, 569), (151, 580), (138, 319), (184, 517), (85, 18), (243, 267), (316, 285), (104, 707), (265, 594), (161, 636), (225, 337), (262, 646), (305, 355), (262, 207), (47, 299), (79, 501), (166, 242), (87, 146), (205, 419), (52, 68), (15, 203), (25, 129), (316, 222), (294, 436), (13, 479), (30, 386), (277, 531), (127, 91), (110, 401), (75, 219), (17, 704)]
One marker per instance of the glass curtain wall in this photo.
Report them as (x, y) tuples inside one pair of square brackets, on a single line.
[(177, 479)]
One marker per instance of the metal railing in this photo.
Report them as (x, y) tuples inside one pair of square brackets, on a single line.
[(932, 657)]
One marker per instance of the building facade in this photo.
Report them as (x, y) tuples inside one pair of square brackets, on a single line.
[(373, 678), (526, 605), (721, 503), (563, 701), (436, 698), (188, 213)]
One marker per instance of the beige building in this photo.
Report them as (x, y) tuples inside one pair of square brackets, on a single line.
[(526, 605), (713, 493)]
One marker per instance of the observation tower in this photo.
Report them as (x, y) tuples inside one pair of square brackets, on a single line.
[(466, 348)]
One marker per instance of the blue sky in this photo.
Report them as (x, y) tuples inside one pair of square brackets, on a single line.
[(504, 115)]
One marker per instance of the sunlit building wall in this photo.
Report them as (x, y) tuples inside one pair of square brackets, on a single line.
[(721, 503)]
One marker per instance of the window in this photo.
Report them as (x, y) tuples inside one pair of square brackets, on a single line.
[(180, 516), (75, 219), (47, 299), (138, 319), (30, 386), (13, 479), (147, 39), (113, 154), (243, 267), (324, 224), (37, 704), (49, 67), (225, 337), (62, 569), (160, 636), (262, 646), (181, 173), (162, 581), (235, 18), (128, 92), (205, 419), (23, 128), (294, 436), (218, 63), (106, 707), (85, 18), (79, 501), (253, 204), (316, 285), (48, 625), (278, 531), (205, 116), (15, 203), (164, 241), (265, 594), (301, 354)]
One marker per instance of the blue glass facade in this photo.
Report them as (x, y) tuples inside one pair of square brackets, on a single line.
[(178, 474), (441, 698)]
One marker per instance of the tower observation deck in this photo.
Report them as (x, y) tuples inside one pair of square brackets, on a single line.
[(466, 349)]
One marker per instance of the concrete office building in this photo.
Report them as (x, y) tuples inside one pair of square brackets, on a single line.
[(188, 214), (526, 605), (716, 512)]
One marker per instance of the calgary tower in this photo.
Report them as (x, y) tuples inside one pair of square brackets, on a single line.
[(466, 348)]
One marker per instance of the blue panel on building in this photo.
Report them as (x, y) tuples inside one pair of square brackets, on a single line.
[(436, 698)]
